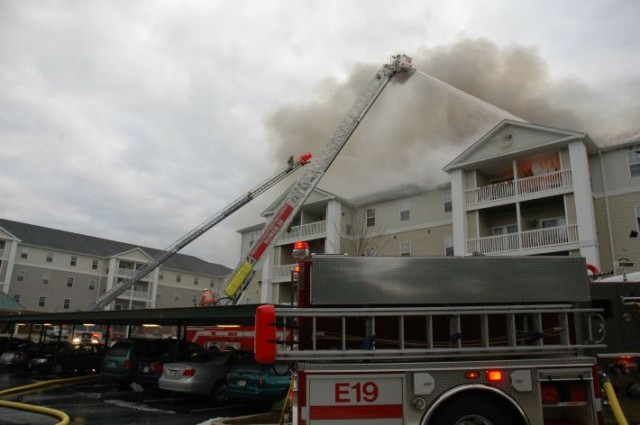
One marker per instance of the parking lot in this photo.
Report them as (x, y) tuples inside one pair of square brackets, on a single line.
[(103, 403)]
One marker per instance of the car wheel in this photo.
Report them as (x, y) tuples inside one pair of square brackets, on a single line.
[(217, 395), (58, 369)]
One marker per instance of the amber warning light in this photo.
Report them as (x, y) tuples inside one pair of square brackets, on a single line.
[(494, 375)]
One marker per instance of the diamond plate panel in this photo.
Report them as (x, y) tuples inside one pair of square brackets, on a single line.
[(343, 280)]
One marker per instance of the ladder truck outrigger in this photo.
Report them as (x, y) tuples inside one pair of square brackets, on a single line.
[(473, 340), (109, 296), (400, 65)]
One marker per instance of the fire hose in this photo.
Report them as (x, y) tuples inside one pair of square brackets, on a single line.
[(613, 400), (64, 418)]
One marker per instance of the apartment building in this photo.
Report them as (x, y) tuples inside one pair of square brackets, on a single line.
[(521, 189), (51, 270)]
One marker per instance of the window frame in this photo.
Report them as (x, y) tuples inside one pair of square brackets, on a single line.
[(42, 301), (95, 264), (406, 252), (49, 257), (20, 275), (633, 159), (70, 281), (370, 215), (66, 303), (447, 202), (46, 278), (74, 261), (405, 207)]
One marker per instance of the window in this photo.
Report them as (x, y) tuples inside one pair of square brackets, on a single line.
[(16, 297), (371, 217), (553, 222), (160, 275), (195, 280), (92, 284), (74, 261), (20, 276), (634, 160), (49, 257), (349, 229), (405, 210), (448, 246), (211, 285), (42, 301), (24, 254), (503, 230), (66, 304), (46, 277), (178, 278), (70, 282), (405, 249), (176, 295), (95, 264), (448, 206)]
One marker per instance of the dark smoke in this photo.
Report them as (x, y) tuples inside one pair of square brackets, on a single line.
[(418, 126)]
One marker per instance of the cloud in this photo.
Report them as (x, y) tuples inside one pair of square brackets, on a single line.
[(460, 91)]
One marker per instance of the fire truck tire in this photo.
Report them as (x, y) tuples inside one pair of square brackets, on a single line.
[(474, 409), (633, 390)]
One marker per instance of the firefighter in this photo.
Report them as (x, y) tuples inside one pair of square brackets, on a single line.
[(207, 298)]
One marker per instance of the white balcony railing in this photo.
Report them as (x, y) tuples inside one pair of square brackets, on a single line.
[(510, 189), (1, 252), (282, 273), (523, 241), (136, 295), (305, 231)]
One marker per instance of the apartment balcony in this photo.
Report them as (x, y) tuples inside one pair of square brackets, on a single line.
[(282, 273), (313, 230), (536, 185), (529, 242), (1, 252), (127, 273), (136, 295)]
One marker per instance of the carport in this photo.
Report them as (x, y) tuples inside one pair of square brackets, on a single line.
[(242, 315)]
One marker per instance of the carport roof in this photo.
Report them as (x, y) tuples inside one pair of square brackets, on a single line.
[(194, 316)]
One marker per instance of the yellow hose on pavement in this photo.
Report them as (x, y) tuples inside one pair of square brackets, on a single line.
[(64, 418), (613, 402)]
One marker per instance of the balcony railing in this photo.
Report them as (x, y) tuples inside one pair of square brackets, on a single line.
[(126, 273), (510, 189), (523, 241), (136, 295), (305, 231), (282, 273)]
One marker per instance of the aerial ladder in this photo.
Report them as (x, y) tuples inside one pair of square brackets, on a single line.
[(109, 296), (239, 280)]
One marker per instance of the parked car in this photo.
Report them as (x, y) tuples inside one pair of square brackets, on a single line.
[(122, 360), (66, 357), (202, 373), (85, 338), (151, 363), (15, 352), (263, 384)]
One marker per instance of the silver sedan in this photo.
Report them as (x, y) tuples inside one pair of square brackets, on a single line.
[(202, 374)]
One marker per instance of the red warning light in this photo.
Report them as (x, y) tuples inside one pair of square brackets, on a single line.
[(494, 375), (300, 250)]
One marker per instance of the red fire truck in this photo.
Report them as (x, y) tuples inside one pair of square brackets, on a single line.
[(439, 341)]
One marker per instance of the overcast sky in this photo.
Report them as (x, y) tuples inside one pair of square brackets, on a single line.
[(137, 120)]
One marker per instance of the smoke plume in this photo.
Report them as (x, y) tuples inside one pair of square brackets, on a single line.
[(456, 95)]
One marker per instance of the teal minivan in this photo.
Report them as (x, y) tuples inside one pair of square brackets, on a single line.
[(120, 363)]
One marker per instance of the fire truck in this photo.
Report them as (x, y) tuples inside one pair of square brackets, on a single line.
[(439, 341)]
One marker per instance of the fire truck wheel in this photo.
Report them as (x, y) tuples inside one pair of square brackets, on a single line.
[(474, 409), (633, 390)]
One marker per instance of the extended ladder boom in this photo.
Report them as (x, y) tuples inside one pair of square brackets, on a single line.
[(109, 296), (240, 279)]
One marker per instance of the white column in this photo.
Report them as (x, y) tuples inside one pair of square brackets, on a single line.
[(266, 288), (110, 278), (583, 196), (154, 287), (458, 212), (13, 249), (332, 228)]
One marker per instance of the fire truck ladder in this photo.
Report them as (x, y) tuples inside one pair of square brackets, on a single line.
[(240, 279), (109, 296), (430, 332)]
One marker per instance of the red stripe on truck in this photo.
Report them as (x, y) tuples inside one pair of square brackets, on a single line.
[(384, 411)]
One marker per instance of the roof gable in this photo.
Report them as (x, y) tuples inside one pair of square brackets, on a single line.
[(511, 138)]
